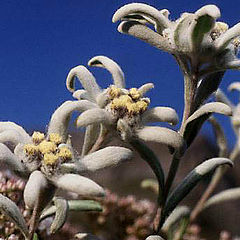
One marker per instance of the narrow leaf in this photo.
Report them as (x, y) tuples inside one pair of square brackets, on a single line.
[(178, 213), (234, 86), (145, 88), (149, 156), (10, 210), (221, 97), (142, 9), (191, 180), (61, 214), (144, 33), (224, 196), (75, 205), (195, 121)]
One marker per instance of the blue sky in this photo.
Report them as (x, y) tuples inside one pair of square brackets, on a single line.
[(42, 40)]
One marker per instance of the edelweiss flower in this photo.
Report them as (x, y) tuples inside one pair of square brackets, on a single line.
[(199, 43), (40, 158), (120, 111)]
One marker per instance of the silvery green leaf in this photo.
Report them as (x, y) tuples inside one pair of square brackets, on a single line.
[(154, 237), (75, 205), (208, 86), (145, 34), (203, 23), (90, 137), (149, 156), (86, 78), (13, 126), (145, 88), (221, 97), (227, 37), (162, 135), (10, 210), (195, 121), (220, 137), (177, 214), (80, 185), (224, 196), (150, 184), (61, 214), (234, 86), (11, 136), (160, 114), (85, 236), (108, 156), (112, 67), (191, 180), (232, 64), (38, 190), (11, 161), (60, 118), (142, 9), (181, 33), (82, 94), (94, 116)]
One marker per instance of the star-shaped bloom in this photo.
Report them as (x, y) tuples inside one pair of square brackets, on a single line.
[(197, 41), (121, 112), (40, 159)]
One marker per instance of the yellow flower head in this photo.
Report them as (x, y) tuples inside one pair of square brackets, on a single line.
[(50, 159), (31, 149), (37, 137), (47, 147), (55, 138), (114, 92), (134, 93), (121, 102), (65, 153), (136, 108)]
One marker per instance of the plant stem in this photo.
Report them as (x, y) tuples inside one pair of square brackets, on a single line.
[(212, 185)]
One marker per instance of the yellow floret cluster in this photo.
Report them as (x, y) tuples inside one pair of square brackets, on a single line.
[(131, 101), (47, 151)]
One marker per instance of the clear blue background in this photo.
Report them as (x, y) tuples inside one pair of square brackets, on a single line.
[(42, 40)]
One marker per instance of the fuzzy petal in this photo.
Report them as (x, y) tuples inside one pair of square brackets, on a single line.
[(94, 116), (112, 67), (86, 78), (80, 185), (11, 136), (82, 94), (106, 157), (13, 126), (162, 135), (60, 118), (145, 88), (11, 161), (227, 37), (145, 34), (142, 9), (234, 86), (38, 190), (154, 237), (160, 114)]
